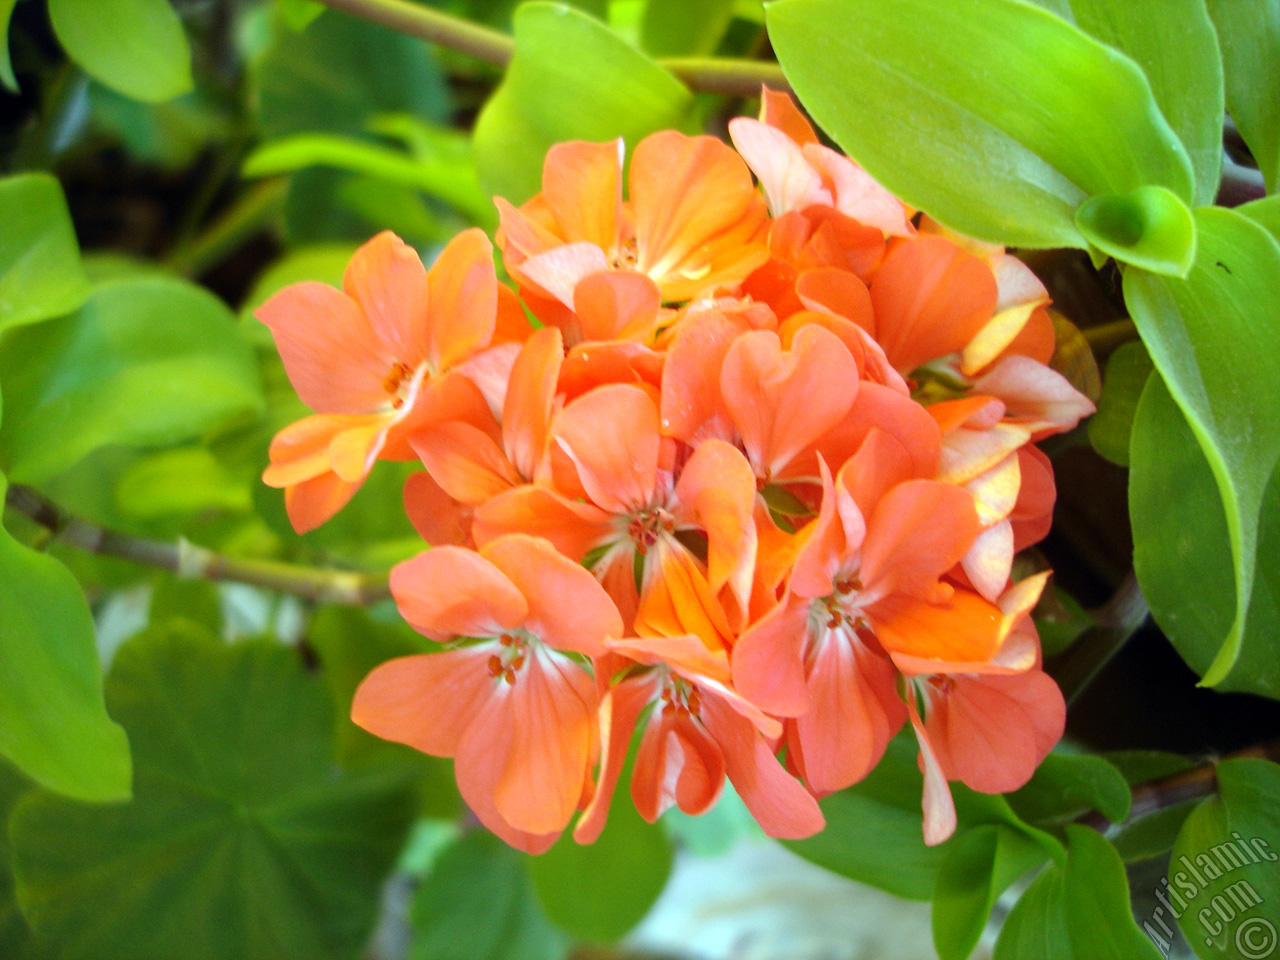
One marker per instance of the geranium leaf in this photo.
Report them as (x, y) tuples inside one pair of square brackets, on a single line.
[(241, 840), (1148, 227), (1249, 37), (1109, 429)]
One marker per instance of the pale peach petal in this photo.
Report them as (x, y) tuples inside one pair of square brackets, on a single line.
[(558, 271), (684, 652), (967, 454), (790, 182), (857, 195), (939, 808), (450, 592), (1042, 399), (996, 491), (989, 560), (616, 304)]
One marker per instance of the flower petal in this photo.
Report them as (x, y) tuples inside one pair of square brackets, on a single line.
[(387, 279), (619, 712), (611, 434), (464, 299), (717, 492), (450, 592), (582, 185)]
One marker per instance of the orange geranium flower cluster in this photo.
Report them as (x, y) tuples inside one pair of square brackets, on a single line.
[(751, 486)]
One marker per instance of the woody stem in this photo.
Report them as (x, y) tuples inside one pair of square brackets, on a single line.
[(1190, 784), (702, 74), (188, 560)]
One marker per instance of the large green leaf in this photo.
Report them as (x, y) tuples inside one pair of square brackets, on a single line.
[(600, 891), (995, 116), (53, 721), (1109, 429), (6, 66), (1214, 339), (448, 178), (1224, 867), (137, 47), (477, 904), (978, 867), (1174, 43), (1182, 551), (144, 361), (13, 928), (572, 78), (339, 72), (1076, 911), (241, 840), (40, 272), (684, 28), (1265, 211), (1249, 36), (1066, 785)]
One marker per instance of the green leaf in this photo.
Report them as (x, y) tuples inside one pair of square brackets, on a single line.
[(1077, 911), (446, 178), (40, 272), (600, 891), (6, 66), (339, 72), (13, 928), (477, 904), (873, 831), (1182, 554), (999, 119), (1152, 835), (1213, 338), (572, 78), (53, 721), (1066, 785), (980, 865), (1110, 428), (183, 481), (144, 361), (298, 14), (684, 28), (1249, 37), (1148, 227), (1223, 869), (1265, 211), (1174, 43), (136, 47), (240, 841)]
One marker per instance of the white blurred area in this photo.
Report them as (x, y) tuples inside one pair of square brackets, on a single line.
[(759, 901)]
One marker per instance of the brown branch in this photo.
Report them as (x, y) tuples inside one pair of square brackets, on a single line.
[(1190, 784), (188, 560)]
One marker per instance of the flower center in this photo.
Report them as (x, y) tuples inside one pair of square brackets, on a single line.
[(680, 697), (645, 526), (625, 256), (510, 658), (396, 383)]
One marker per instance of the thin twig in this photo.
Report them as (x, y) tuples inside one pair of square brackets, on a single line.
[(188, 560), (1190, 784), (733, 77)]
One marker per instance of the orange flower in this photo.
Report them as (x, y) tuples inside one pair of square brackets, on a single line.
[(508, 701), (376, 361), (693, 220), (698, 732)]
